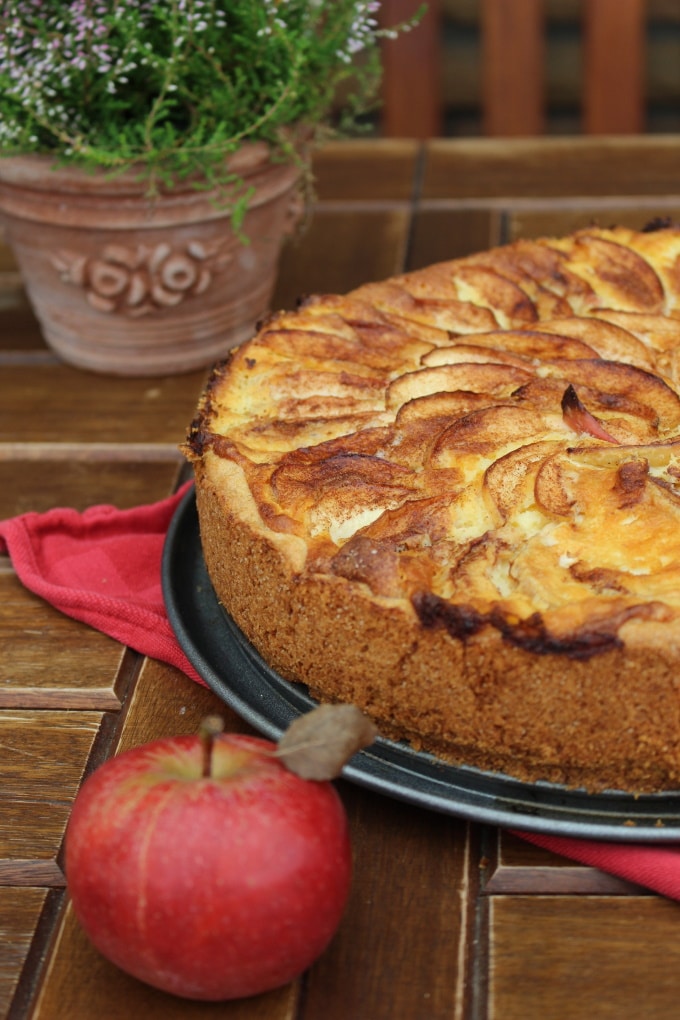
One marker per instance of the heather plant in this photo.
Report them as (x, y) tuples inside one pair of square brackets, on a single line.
[(176, 86)]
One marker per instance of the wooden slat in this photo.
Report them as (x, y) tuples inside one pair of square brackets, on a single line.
[(364, 246), (44, 753), (416, 927), (572, 958), (636, 213), (50, 660), (513, 67), (19, 913), (165, 703), (614, 66), (44, 757), (442, 234), (57, 403), (83, 475), (412, 94), (379, 171), (564, 170), (517, 866)]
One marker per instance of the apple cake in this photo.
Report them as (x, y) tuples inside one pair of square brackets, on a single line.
[(453, 498)]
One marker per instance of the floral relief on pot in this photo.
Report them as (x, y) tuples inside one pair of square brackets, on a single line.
[(132, 285), (138, 280)]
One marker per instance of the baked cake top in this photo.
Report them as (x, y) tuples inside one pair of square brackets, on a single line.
[(492, 441)]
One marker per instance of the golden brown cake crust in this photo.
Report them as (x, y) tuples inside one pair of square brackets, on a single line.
[(453, 498)]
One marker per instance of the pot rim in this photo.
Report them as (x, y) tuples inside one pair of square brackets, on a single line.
[(43, 172)]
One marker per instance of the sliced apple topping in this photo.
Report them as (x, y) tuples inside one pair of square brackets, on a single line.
[(499, 433), (493, 379), (580, 419), (509, 482), (605, 339)]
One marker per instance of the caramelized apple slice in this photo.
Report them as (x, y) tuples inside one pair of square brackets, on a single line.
[(483, 285), (451, 314), (340, 493), (473, 353), (532, 343), (577, 416), (373, 350), (493, 429), (454, 316), (554, 485), (443, 406), (660, 332), (609, 341), (496, 380), (279, 435), (620, 276), (510, 480), (612, 385), (534, 262)]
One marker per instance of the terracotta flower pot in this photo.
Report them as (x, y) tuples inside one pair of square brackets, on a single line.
[(129, 285)]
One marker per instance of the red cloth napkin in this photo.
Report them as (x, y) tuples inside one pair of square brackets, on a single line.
[(103, 567)]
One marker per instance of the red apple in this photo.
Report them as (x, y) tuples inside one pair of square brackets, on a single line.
[(208, 886)]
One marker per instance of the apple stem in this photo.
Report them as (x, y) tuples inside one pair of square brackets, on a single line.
[(210, 728)]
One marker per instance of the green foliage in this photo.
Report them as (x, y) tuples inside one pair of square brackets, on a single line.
[(176, 86)]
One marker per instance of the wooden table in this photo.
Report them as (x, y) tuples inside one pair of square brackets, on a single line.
[(446, 919)]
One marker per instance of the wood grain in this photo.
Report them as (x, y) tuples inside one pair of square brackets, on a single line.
[(43, 753), (513, 71), (556, 168), (50, 660), (411, 89), (357, 246), (80, 476), (48, 403), (516, 866), (571, 958), (376, 171), (614, 66), (411, 876), (44, 756), (166, 703), (442, 234), (19, 913), (31, 832)]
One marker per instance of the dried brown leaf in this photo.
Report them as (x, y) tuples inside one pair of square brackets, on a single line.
[(319, 743)]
